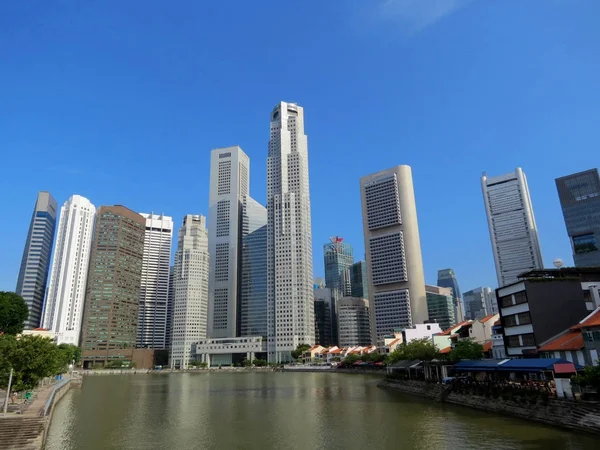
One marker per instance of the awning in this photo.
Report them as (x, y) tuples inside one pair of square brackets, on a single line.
[(564, 368)]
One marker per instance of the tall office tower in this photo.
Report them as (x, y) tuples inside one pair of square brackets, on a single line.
[(354, 322), (252, 309), (324, 323), (513, 231), (290, 271), (229, 184), (63, 311), (190, 279), (580, 201), (394, 262), (447, 278), (33, 274), (480, 302), (154, 288), (338, 257), (440, 306), (170, 304), (358, 280), (112, 293)]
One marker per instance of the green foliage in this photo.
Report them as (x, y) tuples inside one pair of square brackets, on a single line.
[(13, 313), (366, 357), (589, 378), (422, 349), (259, 362), (70, 353), (299, 350), (197, 363), (466, 349)]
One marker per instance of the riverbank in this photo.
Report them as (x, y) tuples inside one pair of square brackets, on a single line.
[(169, 371), (572, 415)]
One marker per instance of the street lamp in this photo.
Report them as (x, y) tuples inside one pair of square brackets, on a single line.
[(8, 390)]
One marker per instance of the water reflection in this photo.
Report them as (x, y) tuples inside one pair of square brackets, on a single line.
[(278, 411)]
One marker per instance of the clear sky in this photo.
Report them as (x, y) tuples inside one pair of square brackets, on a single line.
[(122, 102)]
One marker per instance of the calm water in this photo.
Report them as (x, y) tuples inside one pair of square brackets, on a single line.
[(278, 411)]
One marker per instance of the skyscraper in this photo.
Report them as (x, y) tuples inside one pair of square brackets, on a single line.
[(358, 279), (170, 305), (440, 306), (190, 279), (393, 247), (63, 311), (253, 293), (229, 184), (447, 278), (154, 288), (35, 264), (480, 302), (511, 222), (324, 323), (290, 271), (113, 286), (354, 322), (579, 195), (338, 256)]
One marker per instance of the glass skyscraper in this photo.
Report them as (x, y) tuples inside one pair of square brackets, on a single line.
[(440, 306), (33, 274), (339, 257), (447, 279), (580, 201), (357, 279)]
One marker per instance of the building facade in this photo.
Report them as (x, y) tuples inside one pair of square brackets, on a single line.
[(338, 258), (35, 264), (253, 295), (229, 184), (579, 196), (190, 289), (512, 227), (357, 278), (63, 310), (480, 302), (354, 322), (154, 288), (440, 306), (113, 286), (447, 279), (290, 301), (393, 250), (324, 322), (170, 304)]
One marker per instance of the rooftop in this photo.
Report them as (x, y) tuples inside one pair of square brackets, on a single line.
[(571, 340)]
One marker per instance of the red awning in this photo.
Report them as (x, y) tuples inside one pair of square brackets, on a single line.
[(564, 368)]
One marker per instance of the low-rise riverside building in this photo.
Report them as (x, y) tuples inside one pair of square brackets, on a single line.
[(221, 351)]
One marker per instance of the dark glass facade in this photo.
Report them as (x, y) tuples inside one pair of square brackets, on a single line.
[(447, 279), (579, 196), (359, 283), (253, 298), (323, 323)]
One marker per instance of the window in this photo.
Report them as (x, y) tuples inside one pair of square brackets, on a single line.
[(510, 321), (520, 297), (514, 341), (528, 340), (524, 318), (506, 301)]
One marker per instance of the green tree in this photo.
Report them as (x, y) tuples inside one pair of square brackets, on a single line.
[(70, 353), (13, 313), (466, 349), (422, 349), (259, 362), (300, 350), (589, 378), (8, 345)]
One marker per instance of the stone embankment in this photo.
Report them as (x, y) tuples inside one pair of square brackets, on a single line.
[(574, 415)]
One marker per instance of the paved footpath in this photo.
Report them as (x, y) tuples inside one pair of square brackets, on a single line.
[(32, 409)]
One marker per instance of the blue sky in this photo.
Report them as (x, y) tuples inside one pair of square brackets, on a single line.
[(122, 102)]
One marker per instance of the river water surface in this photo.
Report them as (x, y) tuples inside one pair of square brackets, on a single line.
[(279, 411)]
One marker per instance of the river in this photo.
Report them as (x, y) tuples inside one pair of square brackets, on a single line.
[(279, 411)]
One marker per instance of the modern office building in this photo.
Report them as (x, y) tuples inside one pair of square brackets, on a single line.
[(354, 322), (63, 310), (440, 306), (447, 278), (170, 305), (113, 286), (357, 278), (190, 289), (512, 227), (35, 264), (154, 288), (579, 196), (393, 250), (338, 257), (324, 322), (480, 302), (252, 309), (229, 184), (290, 271)]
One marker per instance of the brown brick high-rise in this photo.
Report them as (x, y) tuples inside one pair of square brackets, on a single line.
[(113, 286)]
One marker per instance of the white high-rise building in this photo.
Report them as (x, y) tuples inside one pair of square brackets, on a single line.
[(394, 261), (154, 287), (63, 311), (511, 222), (290, 306), (229, 184), (190, 293)]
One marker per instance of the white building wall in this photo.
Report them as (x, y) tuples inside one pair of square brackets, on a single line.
[(393, 250), (513, 231), (63, 312), (154, 286), (229, 184), (421, 331), (190, 292), (290, 304)]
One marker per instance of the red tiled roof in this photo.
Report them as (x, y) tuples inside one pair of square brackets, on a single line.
[(393, 342), (314, 347), (571, 340), (458, 325), (445, 350), (593, 320), (497, 322), (337, 350), (487, 347), (486, 318), (40, 329)]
